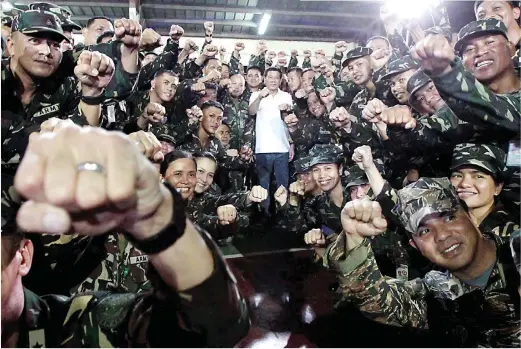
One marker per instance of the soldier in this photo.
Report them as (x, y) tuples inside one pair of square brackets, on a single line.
[(480, 280), (147, 57), (211, 314), (358, 61), (398, 73), (507, 11)]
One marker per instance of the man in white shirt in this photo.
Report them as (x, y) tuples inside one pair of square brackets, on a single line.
[(273, 150)]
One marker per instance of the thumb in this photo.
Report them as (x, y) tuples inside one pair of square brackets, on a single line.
[(119, 31)]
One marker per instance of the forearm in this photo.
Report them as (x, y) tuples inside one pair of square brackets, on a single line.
[(130, 59), (375, 179), (254, 107), (91, 112)]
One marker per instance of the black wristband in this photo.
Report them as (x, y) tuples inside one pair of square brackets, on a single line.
[(170, 234), (93, 100)]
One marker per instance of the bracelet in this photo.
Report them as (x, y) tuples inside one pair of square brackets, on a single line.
[(168, 235), (93, 100)]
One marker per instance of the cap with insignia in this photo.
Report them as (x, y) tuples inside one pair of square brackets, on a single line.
[(485, 156), (35, 21), (357, 52), (416, 82), (423, 198), (356, 176), (302, 165), (479, 28), (323, 154), (63, 14), (400, 65)]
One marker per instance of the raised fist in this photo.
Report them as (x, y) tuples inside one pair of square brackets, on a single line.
[(210, 51), (294, 53), (246, 153), (176, 32), (262, 47), (54, 125), (150, 40), (363, 157), (224, 83), (340, 47), (320, 53), (257, 194), (373, 110), (154, 112), (363, 218), (194, 114), (271, 55), (264, 92), (297, 188), (198, 87), (307, 53), (284, 107), (315, 237), (281, 195), (208, 28), (190, 47), (213, 76), (148, 145), (301, 93), (239, 46), (94, 71), (291, 120), (328, 95), (222, 50), (339, 115), (227, 214), (128, 31), (399, 115), (435, 53)]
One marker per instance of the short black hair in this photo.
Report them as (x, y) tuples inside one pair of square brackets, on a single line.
[(304, 71), (512, 4), (92, 19), (273, 69), (253, 67), (298, 70), (205, 155), (211, 86), (173, 156), (211, 103), (107, 34), (165, 71)]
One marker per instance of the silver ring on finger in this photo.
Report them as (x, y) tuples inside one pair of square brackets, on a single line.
[(91, 167)]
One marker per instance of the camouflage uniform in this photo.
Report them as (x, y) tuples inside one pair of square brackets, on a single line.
[(440, 302), (240, 123), (310, 131)]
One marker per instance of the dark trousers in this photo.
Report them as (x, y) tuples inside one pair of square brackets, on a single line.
[(268, 163)]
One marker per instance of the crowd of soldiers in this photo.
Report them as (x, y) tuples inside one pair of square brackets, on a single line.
[(132, 164)]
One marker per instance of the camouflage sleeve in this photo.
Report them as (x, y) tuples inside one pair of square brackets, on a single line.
[(336, 60), (237, 199), (212, 314), (293, 62), (387, 199), (345, 93), (473, 102), (71, 95), (398, 43), (385, 300), (306, 63), (249, 130), (122, 83), (257, 61), (192, 70), (165, 60), (439, 14), (234, 65), (229, 162)]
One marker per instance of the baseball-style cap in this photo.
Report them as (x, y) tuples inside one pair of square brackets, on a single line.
[(416, 82), (323, 154), (355, 176), (400, 65), (357, 52), (422, 198), (36, 21), (63, 14), (479, 28), (302, 165), (485, 156)]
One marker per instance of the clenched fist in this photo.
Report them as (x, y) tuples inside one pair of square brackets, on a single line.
[(176, 32), (435, 54), (297, 188), (373, 110), (246, 153), (328, 95), (94, 71), (154, 112), (320, 53), (148, 145), (210, 51), (340, 47), (264, 92), (294, 53), (227, 214), (315, 237), (239, 46), (399, 115), (291, 120), (281, 195), (150, 40), (198, 87), (128, 31), (208, 28), (363, 157), (363, 218), (257, 194), (54, 125), (307, 53), (190, 47), (194, 114), (213, 76)]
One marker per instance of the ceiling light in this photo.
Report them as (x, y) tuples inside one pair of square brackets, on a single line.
[(408, 8), (7, 6), (264, 23)]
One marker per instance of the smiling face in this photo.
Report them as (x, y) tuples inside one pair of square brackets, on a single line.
[(211, 120), (307, 78), (253, 78), (205, 173), (429, 98), (38, 55), (475, 187), (315, 106), (181, 174), (309, 182), (211, 64), (294, 80), (360, 69), (449, 240), (500, 10), (399, 86), (327, 176), (165, 86), (487, 57)]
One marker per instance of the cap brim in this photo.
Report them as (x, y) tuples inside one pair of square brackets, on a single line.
[(460, 43), (70, 24), (416, 89), (35, 30), (358, 181), (347, 60), (480, 164)]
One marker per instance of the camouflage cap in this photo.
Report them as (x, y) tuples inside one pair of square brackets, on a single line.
[(479, 28), (357, 52), (355, 176), (422, 198), (416, 82), (323, 154), (302, 165), (35, 21), (486, 156), (400, 65), (63, 14)]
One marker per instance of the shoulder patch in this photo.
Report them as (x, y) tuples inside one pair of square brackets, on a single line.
[(111, 311)]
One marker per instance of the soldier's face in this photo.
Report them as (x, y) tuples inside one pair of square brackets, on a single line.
[(294, 81), (488, 57), (500, 10), (253, 78), (399, 86), (181, 174), (165, 86), (327, 176), (148, 59), (475, 187), (315, 106), (237, 86), (225, 72), (359, 191), (223, 134), (273, 80), (37, 55), (205, 173), (360, 69), (381, 52), (429, 98), (212, 64), (17, 257), (309, 183), (345, 75), (449, 240), (307, 79), (96, 28), (166, 147), (67, 46), (211, 120)]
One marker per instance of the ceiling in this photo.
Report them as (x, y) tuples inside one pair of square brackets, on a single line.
[(301, 20)]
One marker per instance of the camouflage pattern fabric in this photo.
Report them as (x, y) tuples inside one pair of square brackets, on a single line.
[(515, 244), (499, 222), (357, 52), (485, 156), (400, 65), (324, 154), (356, 176), (416, 82), (439, 302), (359, 102), (310, 131), (166, 60), (63, 14), (212, 314), (241, 124), (480, 28)]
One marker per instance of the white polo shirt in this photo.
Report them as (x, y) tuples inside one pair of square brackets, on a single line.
[(271, 134)]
